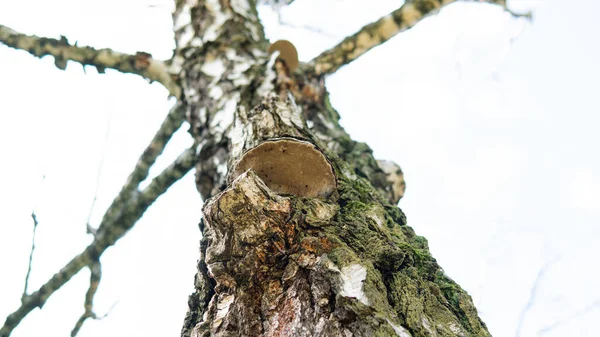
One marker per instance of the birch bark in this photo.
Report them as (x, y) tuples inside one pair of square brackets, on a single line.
[(276, 260)]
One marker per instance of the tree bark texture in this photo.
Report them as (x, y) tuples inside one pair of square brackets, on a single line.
[(301, 235)]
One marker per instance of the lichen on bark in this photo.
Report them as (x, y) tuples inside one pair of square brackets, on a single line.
[(277, 262), (339, 265)]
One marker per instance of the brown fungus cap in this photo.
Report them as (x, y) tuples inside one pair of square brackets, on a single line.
[(287, 53), (290, 166)]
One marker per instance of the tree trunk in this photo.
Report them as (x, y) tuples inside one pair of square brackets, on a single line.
[(301, 235)]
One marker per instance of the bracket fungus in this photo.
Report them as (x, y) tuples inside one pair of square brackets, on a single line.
[(290, 166), (287, 53)]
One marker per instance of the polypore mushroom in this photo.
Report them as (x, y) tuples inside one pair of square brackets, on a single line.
[(289, 166), (287, 53)]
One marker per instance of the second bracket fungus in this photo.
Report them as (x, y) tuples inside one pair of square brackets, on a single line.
[(290, 166), (287, 53)]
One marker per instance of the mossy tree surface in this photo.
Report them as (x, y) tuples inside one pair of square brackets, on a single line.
[(339, 263), (301, 232)]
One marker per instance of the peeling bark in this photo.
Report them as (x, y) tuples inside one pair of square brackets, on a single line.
[(277, 259), (301, 235), (282, 264)]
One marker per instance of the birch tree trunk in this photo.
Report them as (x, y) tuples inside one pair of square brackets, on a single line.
[(301, 235), (301, 232)]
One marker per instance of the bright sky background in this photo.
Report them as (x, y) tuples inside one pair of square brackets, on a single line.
[(493, 120)]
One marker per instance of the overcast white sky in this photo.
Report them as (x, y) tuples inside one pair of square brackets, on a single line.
[(494, 122)]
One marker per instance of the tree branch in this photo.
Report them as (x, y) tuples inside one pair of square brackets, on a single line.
[(378, 32), (88, 305), (111, 230), (35, 224), (172, 122), (129, 205), (140, 64), (30, 262)]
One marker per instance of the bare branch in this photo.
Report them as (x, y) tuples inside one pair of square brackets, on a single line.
[(533, 294), (35, 225), (130, 210), (172, 122), (527, 15), (378, 32), (98, 175), (95, 276), (306, 27), (127, 208), (141, 64), (276, 4), (587, 309)]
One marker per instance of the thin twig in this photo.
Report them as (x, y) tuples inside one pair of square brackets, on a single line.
[(533, 294), (95, 277), (527, 15), (378, 32), (88, 305), (98, 176), (35, 225), (115, 229), (587, 309), (305, 27), (141, 64)]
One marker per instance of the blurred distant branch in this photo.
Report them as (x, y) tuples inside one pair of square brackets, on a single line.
[(110, 233), (380, 31), (127, 208), (276, 4), (172, 122), (98, 176), (533, 294), (577, 314), (141, 64), (526, 15)]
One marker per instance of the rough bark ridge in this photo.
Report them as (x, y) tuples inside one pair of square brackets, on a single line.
[(276, 261)]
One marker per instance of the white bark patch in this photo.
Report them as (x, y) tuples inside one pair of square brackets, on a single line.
[(267, 86), (237, 134), (224, 118), (187, 35), (237, 75), (241, 7), (183, 19), (215, 92), (221, 168), (353, 277), (400, 331), (289, 114), (223, 305), (177, 64), (220, 17), (215, 68)]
